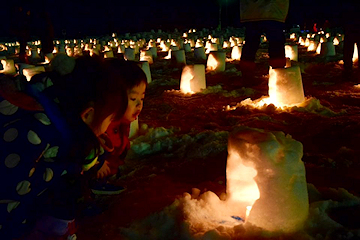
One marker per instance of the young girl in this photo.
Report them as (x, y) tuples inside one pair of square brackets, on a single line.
[(117, 134), (48, 138)]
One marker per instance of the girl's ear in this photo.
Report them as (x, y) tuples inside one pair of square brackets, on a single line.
[(87, 115)]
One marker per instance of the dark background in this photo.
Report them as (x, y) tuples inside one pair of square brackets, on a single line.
[(80, 18)]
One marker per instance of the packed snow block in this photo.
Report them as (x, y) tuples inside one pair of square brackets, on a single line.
[(291, 52), (199, 53), (121, 48), (8, 66), (187, 47), (327, 49), (193, 78), (145, 66), (129, 54), (216, 61), (236, 53), (178, 57), (285, 86), (265, 170), (109, 54)]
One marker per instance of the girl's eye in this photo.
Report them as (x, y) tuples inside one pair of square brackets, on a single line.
[(132, 99)]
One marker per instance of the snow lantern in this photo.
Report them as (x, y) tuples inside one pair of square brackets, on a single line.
[(236, 53), (145, 66), (121, 48), (291, 52), (266, 178), (34, 53), (153, 51), (8, 67), (193, 78), (355, 57), (178, 57), (78, 51), (285, 86), (134, 128), (313, 46), (187, 47), (199, 53), (31, 71), (327, 49), (146, 55), (109, 54), (216, 61), (129, 54)]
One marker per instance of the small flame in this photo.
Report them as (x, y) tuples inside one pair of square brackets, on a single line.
[(318, 49), (293, 36), (336, 41), (355, 55)]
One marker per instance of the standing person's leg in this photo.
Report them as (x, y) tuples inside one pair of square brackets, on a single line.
[(275, 35), (252, 41)]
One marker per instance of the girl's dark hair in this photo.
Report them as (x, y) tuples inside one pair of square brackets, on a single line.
[(101, 84)]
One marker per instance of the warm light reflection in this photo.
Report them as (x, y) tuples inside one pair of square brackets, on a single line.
[(355, 55), (212, 63)]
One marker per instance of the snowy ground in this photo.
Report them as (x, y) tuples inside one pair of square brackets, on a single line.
[(182, 150)]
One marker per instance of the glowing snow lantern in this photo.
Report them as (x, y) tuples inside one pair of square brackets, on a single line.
[(34, 53), (30, 72), (145, 66), (164, 46), (307, 42), (313, 45), (291, 52), (226, 44), (129, 54), (236, 53), (8, 67), (318, 48), (355, 55), (301, 41), (211, 47), (266, 179), (216, 61), (187, 47), (153, 51), (193, 78), (336, 41), (293, 36), (121, 48), (285, 86), (78, 51), (109, 54), (199, 53), (178, 57), (146, 55), (327, 49)]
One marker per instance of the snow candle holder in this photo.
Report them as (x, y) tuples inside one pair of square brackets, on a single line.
[(291, 51), (153, 51), (355, 58), (8, 67), (193, 78), (187, 47), (31, 71), (216, 61), (266, 177), (178, 57), (34, 53), (145, 66), (146, 55), (109, 54), (199, 53), (285, 86), (129, 54), (327, 49), (236, 53)]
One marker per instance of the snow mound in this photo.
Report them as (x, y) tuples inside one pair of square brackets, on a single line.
[(310, 105), (193, 217), (217, 89)]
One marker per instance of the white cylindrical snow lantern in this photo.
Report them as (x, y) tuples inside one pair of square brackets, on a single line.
[(236, 53), (313, 46), (121, 48), (146, 55), (327, 49), (291, 51), (8, 67), (178, 57), (285, 86), (193, 78), (145, 66), (187, 47), (153, 51), (109, 54), (265, 179), (129, 54), (199, 53), (134, 128), (216, 61), (34, 53)]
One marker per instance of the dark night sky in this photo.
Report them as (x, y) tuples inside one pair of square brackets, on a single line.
[(80, 17)]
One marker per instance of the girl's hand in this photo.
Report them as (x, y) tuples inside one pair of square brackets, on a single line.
[(104, 170)]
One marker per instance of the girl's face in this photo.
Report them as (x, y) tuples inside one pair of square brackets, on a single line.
[(135, 102)]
